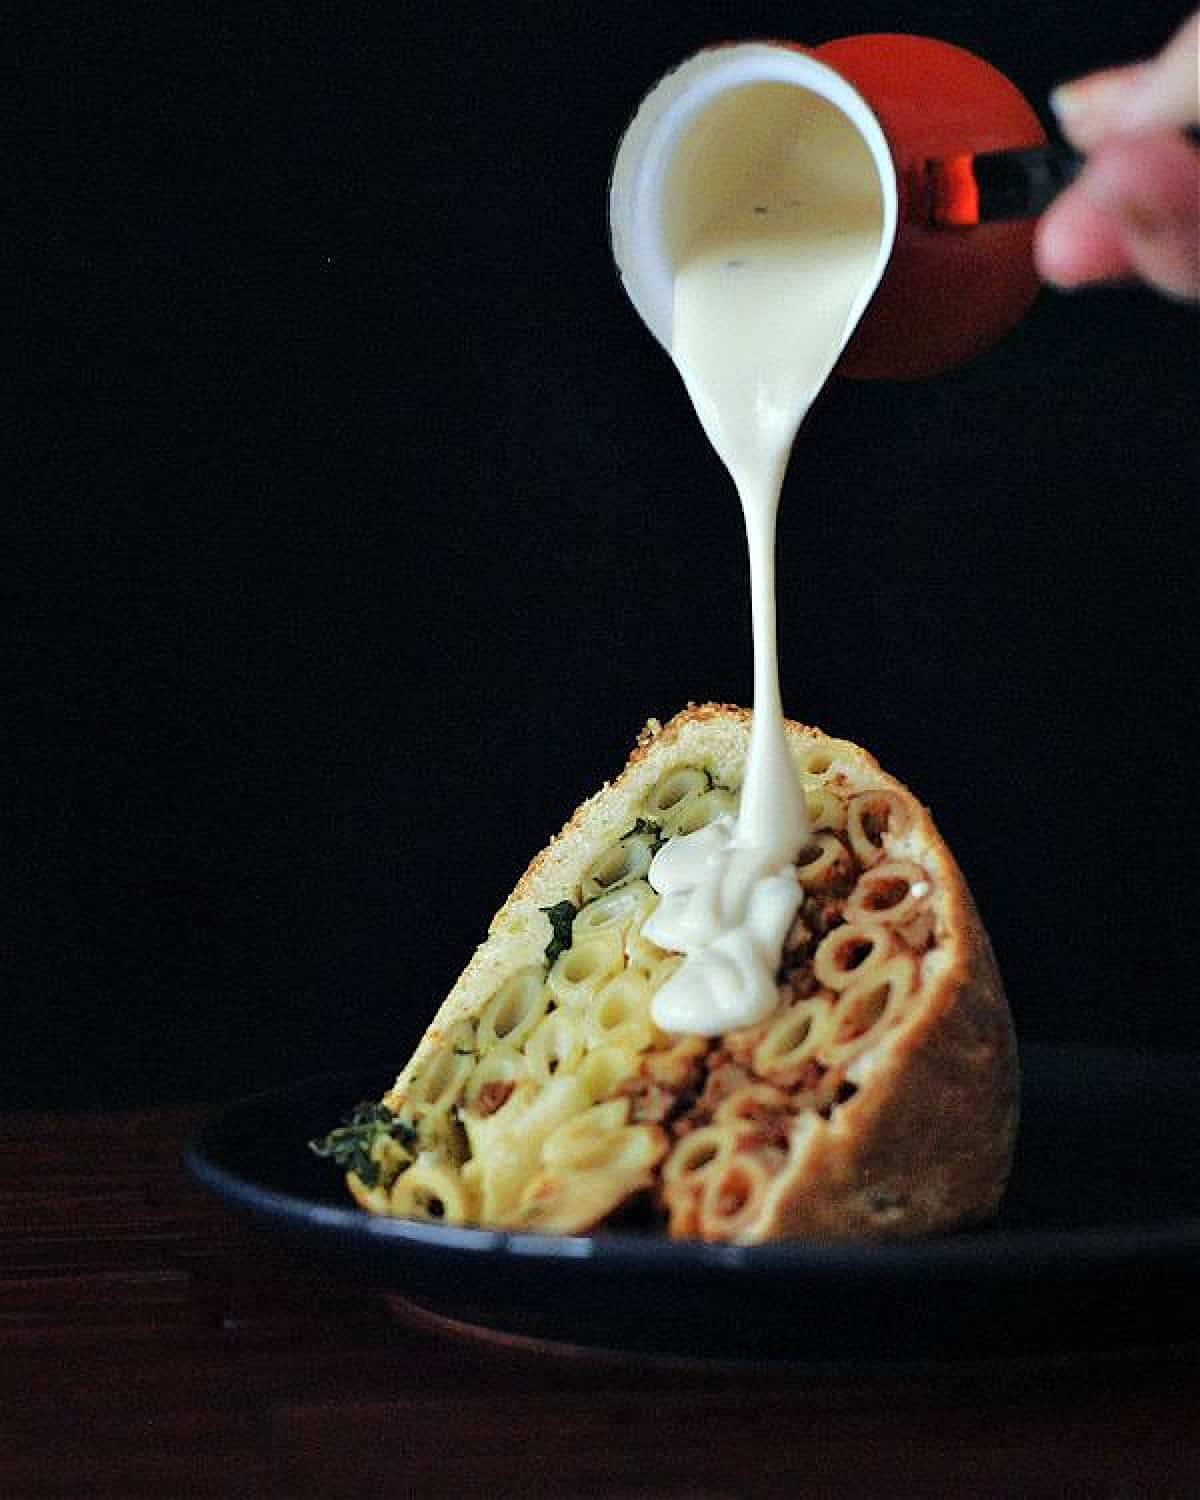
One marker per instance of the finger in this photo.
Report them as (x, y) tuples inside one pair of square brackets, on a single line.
[(1161, 93), (1149, 188), (1133, 211), (1075, 244)]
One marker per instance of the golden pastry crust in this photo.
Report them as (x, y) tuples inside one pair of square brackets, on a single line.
[(925, 1139)]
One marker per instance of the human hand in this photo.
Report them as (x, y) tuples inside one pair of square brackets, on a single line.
[(1135, 208)]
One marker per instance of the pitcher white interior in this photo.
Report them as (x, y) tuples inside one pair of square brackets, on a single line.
[(650, 212)]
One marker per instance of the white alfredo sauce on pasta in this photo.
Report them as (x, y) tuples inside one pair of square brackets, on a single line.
[(776, 259)]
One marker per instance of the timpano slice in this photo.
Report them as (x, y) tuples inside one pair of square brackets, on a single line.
[(880, 1098)]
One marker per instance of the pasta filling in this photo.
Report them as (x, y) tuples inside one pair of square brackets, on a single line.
[(561, 1106)]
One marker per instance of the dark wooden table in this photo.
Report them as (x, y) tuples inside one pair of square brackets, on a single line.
[(151, 1345)]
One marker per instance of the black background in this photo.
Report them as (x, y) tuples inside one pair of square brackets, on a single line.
[(365, 525)]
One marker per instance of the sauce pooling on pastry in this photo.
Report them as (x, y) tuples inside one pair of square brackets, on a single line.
[(778, 219)]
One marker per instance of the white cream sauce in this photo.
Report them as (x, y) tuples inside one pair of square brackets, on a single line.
[(779, 214)]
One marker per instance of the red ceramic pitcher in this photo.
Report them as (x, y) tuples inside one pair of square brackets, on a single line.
[(952, 284)]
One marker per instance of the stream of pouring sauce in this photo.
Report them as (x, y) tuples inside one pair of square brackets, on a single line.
[(783, 222)]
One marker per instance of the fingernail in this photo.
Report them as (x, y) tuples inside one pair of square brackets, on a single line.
[(1074, 106), (1066, 101)]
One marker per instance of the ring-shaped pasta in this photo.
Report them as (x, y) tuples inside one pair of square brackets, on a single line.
[(617, 911), (620, 864), (868, 1008), (439, 1083), (620, 1013), (567, 1143), (826, 810), (674, 788), (629, 1150), (890, 892), (514, 1010), (820, 760), (673, 1061), (429, 1191), (699, 812), (821, 860), (732, 1196), (752, 1101), (603, 1069), (557, 1046), (870, 817), (643, 954), (576, 974), (502, 1066), (698, 1153), (793, 1036), (844, 955), (574, 1202)]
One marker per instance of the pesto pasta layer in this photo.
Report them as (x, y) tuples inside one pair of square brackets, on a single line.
[(878, 1098)]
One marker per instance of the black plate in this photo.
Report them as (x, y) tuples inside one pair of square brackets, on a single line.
[(1097, 1247)]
